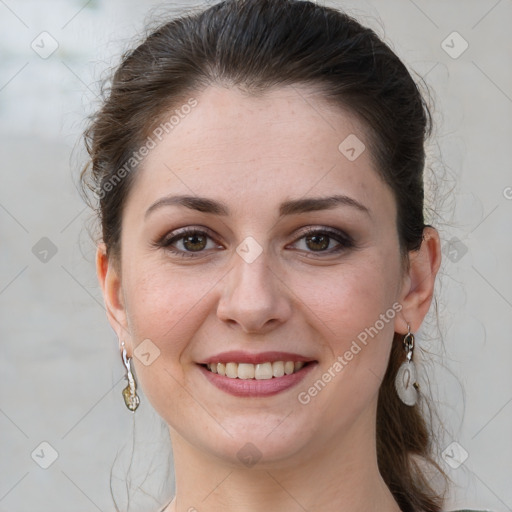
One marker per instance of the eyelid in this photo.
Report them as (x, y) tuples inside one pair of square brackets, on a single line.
[(345, 241), (181, 232), (311, 230)]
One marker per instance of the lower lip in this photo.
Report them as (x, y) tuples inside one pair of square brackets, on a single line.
[(254, 387)]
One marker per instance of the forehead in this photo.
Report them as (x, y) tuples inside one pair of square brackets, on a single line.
[(286, 141)]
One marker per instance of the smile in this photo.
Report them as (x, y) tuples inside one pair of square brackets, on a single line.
[(261, 371), (256, 380)]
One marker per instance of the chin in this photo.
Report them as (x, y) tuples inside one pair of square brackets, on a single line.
[(262, 445)]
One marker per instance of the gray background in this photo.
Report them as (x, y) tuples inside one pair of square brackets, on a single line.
[(60, 372)]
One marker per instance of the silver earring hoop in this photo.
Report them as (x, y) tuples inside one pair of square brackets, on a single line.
[(131, 399), (406, 383)]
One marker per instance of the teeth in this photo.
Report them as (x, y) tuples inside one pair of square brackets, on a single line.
[(298, 365), (278, 369), (261, 371), (232, 370), (289, 367), (245, 371)]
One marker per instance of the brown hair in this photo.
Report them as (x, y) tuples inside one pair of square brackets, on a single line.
[(255, 45)]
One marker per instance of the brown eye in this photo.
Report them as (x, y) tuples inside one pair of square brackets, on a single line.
[(191, 242), (195, 242), (324, 241), (317, 242)]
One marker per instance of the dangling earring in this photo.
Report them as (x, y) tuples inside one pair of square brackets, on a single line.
[(406, 380), (131, 399)]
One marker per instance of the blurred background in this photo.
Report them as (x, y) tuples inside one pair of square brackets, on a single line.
[(67, 441)]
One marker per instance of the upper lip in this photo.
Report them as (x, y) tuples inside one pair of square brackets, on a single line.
[(239, 356)]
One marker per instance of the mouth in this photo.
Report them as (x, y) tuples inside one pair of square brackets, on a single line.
[(261, 371), (252, 380)]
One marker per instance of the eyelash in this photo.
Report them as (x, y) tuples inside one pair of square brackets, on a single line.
[(345, 241)]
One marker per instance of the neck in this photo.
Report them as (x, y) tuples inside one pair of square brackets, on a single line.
[(330, 475)]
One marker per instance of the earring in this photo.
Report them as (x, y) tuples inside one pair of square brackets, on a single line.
[(131, 399), (406, 379)]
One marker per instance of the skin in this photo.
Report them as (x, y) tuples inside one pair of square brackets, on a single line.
[(253, 153)]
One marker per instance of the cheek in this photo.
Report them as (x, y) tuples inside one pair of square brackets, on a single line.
[(354, 308), (167, 307), (165, 303), (350, 297)]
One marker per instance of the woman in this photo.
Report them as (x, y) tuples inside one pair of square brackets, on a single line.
[(264, 258)]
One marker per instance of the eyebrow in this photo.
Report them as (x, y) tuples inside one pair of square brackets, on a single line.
[(291, 207)]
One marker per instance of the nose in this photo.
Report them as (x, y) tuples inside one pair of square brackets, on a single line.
[(254, 298)]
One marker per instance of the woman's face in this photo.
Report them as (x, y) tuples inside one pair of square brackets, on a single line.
[(271, 267)]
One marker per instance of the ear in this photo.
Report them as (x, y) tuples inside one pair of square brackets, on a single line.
[(110, 282), (418, 283)]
